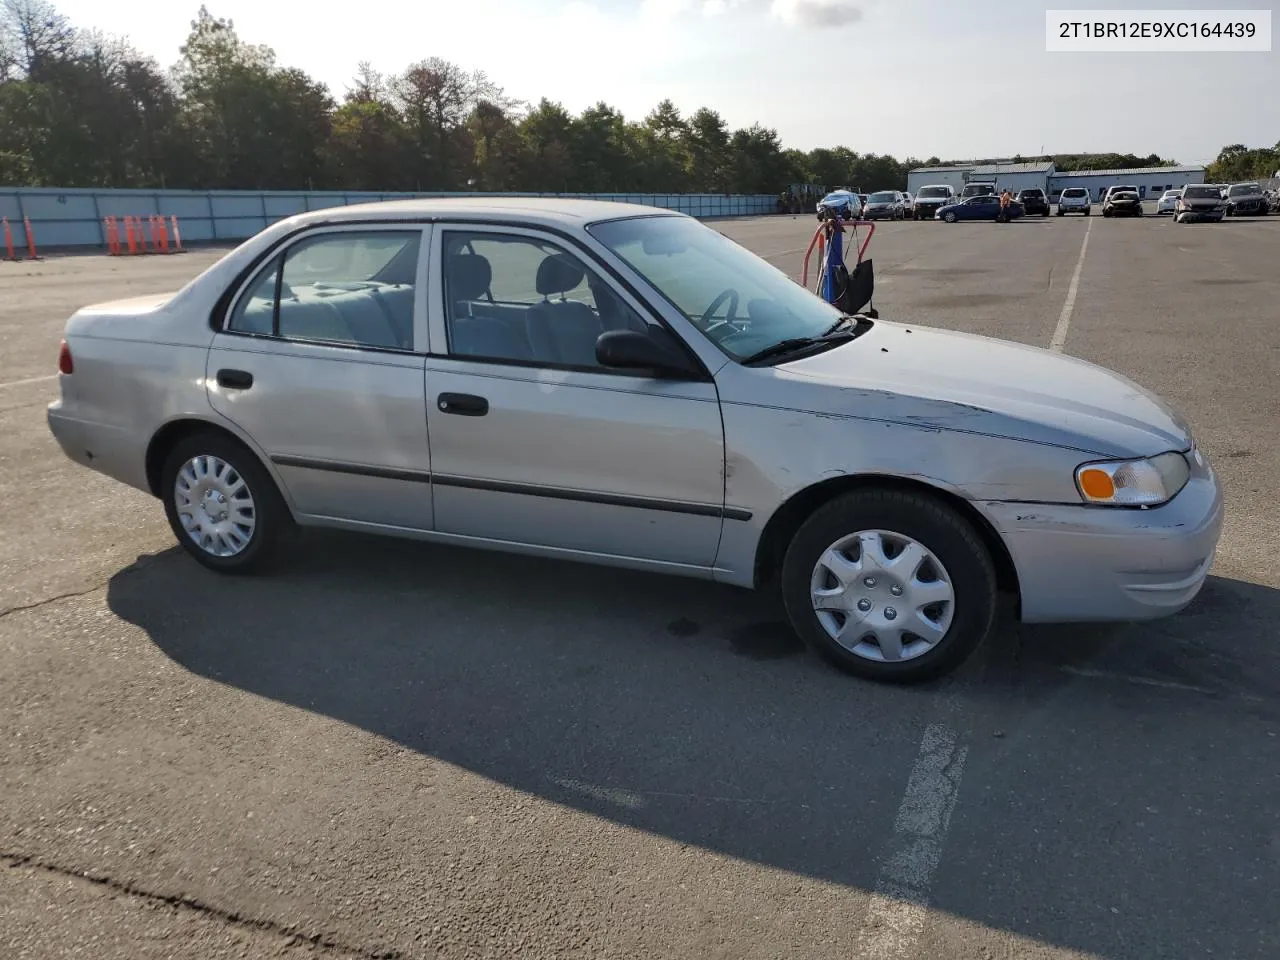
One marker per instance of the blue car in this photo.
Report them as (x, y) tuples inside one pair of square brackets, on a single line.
[(978, 208), (844, 202)]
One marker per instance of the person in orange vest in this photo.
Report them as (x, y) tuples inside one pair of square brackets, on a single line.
[(1006, 198)]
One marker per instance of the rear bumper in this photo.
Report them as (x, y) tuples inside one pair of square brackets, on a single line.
[(1081, 563), (105, 449)]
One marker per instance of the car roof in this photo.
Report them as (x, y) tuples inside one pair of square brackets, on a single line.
[(551, 211)]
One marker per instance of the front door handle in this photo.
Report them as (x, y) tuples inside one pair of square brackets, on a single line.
[(235, 379), (463, 404)]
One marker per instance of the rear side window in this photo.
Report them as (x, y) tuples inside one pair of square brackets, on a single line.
[(350, 288)]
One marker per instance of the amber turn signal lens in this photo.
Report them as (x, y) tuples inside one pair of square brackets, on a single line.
[(1097, 484)]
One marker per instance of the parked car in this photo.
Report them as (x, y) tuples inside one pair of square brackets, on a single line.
[(1246, 199), (1200, 202), (1124, 188), (571, 394), (908, 204), (884, 205), (985, 207), (978, 188), (843, 202), (1168, 202), (1074, 200), (1034, 201), (930, 198), (1122, 203)]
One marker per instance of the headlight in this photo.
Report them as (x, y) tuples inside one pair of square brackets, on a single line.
[(1133, 483)]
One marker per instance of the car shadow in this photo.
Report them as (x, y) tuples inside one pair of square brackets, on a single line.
[(689, 711)]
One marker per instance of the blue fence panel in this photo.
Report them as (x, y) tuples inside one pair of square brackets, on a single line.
[(73, 217)]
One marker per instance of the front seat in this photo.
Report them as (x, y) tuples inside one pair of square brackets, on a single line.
[(467, 279), (562, 331)]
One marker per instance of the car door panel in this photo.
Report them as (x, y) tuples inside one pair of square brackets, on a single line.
[(342, 424), (343, 428), (573, 459)]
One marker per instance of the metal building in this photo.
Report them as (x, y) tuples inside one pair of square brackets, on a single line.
[(1150, 181), (952, 176), (1015, 176)]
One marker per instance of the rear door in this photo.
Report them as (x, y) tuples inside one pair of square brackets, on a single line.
[(320, 361)]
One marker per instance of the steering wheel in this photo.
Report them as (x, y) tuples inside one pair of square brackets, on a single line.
[(728, 293)]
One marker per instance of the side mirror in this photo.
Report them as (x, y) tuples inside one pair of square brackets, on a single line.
[(633, 350)]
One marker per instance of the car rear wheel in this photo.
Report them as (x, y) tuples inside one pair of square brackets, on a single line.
[(222, 504), (890, 585)]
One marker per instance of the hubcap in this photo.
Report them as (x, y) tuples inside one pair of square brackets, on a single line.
[(882, 596), (215, 506)]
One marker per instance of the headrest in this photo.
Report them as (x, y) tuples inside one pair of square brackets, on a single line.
[(469, 276), (558, 274)]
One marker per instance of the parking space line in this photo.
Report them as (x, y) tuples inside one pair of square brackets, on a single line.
[(899, 904), (23, 383), (1064, 320)]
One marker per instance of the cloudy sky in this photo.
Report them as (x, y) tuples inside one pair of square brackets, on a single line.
[(952, 78)]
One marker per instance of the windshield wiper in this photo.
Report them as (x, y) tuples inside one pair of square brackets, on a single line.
[(796, 344)]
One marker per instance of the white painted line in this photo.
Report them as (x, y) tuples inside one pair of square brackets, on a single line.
[(1141, 681), (899, 904), (23, 383), (1064, 320)]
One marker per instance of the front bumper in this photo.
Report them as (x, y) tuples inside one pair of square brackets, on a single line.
[(1248, 207), (1208, 216), (1084, 563), (927, 210), (880, 213)]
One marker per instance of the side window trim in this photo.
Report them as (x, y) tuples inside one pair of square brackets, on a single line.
[(276, 260)]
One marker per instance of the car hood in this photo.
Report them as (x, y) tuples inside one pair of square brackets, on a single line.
[(944, 380)]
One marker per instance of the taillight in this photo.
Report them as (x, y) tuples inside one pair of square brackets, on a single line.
[(64, 359)]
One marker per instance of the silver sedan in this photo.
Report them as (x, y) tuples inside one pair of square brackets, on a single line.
[(622, 385)]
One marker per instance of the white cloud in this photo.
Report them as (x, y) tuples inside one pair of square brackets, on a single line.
[(818, 13), (664, 11), (715, 8)]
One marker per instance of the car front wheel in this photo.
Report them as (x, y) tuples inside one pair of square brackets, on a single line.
[(222, 504), (890, 585), (950, 217)]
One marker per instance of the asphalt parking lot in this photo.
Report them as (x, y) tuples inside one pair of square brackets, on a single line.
[(393, 749)]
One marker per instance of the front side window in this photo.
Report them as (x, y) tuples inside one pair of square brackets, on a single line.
[(527, 300), (742, 303), (343, 288)]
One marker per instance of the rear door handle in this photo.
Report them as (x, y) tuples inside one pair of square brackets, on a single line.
[(463, 404), (235, 379)]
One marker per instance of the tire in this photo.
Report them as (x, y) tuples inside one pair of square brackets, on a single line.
[(960, 623), (1060, 213), (271, 521), (950, 216)]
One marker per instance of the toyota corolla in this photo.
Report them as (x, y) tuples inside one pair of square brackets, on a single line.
[(621, 385)]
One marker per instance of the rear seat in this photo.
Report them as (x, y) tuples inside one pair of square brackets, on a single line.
[(376, 317)]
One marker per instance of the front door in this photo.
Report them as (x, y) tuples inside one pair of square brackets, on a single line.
[(533, 442), (320, 362)]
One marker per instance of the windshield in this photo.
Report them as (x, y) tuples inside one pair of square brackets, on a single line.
[(1202, 193), (1075, 192), (934, 193), (695, 268), (1124, 195), (1244, 189), (1031, 193), (884, 196), (839, 196)]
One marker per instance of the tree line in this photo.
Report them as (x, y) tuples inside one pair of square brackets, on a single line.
[(82, 109)]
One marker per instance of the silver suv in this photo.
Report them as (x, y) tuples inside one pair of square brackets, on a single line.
[(1074, 200)]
